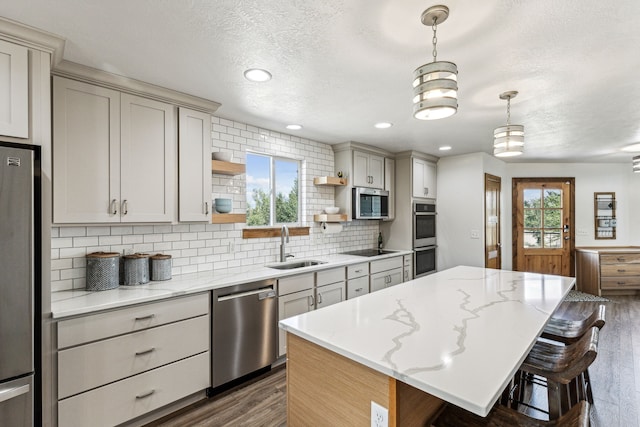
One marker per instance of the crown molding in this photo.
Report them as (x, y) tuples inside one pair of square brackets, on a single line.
[(97, 77), (32, 38)]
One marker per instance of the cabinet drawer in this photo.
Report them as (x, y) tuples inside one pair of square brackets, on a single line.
[(616, 270), (385, 264), (123, 400), (298, 283), (622, 258), (129, 354), (632, 282), (99, 326), (357, 287), (333, 275), (357, 270)]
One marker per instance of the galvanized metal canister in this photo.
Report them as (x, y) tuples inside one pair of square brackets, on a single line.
[(103, 271), (160, 267), (136, 269)]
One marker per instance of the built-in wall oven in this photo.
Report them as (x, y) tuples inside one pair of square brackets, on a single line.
[(424, 238)]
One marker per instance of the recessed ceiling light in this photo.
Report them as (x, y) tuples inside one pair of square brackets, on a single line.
[(294, 127), (445, 148), (632, 147), (257, 75), (383, 125)]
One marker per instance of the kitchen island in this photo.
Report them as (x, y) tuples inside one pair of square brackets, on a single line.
[(455, 336)]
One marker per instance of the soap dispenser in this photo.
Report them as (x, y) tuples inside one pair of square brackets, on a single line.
[(380, 240)]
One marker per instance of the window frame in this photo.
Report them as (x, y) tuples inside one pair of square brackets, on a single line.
[(272, 189)]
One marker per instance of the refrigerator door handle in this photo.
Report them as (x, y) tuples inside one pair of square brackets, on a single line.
[(13, 392)]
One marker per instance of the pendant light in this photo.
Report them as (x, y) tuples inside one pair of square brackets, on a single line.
[(636, 164), (435, 85), (508, 141)]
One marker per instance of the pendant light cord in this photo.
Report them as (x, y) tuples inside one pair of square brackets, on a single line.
[(434, 27), (508, 111)]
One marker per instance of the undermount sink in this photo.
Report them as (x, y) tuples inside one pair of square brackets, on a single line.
[(295, 264)]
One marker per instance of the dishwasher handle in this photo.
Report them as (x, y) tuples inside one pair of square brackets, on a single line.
[(263, 293)]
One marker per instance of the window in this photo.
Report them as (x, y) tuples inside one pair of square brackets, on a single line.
[(272, 190), (543, 218)]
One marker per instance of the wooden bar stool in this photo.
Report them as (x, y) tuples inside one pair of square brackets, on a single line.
[(561, 366), (571, 327), (501, 416)]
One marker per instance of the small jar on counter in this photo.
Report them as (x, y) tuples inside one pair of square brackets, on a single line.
[(136, 269), (160, 267), (103, 271)]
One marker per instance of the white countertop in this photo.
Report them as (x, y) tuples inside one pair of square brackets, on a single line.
[(71, 303), (459, 334)]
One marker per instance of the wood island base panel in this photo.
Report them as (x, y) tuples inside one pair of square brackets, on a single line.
[(324, 388)]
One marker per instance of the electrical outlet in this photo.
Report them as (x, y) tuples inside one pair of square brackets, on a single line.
[(379, 415), (475, 234)]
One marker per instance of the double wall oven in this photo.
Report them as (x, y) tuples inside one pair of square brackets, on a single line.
[(424, 238)]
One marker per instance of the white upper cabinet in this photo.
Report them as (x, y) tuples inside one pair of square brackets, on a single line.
[(194, 183), (147, 160), (389, 185), (14, 90), (114, 156), (424, 179), (86, 153), (368, 170)]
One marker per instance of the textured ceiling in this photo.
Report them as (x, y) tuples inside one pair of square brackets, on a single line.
[(340, 66)]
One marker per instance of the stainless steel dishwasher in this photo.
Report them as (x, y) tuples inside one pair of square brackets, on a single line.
[(244, 330)]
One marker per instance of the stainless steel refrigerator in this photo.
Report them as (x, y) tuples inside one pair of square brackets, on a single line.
[(16, 285)]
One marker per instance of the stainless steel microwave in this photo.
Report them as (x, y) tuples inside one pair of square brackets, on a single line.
[(370, 203)]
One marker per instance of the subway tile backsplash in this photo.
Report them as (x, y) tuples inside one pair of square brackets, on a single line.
[(205, 247)]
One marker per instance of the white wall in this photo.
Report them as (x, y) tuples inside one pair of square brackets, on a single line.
[(460, 209), (461, 205)]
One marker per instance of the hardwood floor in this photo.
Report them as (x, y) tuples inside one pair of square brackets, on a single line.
[(615, 376)]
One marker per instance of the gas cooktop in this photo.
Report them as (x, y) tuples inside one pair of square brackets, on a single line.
[(368, 252)]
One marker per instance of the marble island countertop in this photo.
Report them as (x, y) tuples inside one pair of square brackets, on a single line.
[(76, 302), (459, 334)]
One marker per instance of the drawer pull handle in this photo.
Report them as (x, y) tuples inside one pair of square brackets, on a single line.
[(620, 259), (620, 283), (143, 352), (358, 271), (150, 316), (359, 289), (621, 271), (145, 394)]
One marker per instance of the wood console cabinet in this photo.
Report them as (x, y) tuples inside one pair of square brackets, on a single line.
[(608, 270)]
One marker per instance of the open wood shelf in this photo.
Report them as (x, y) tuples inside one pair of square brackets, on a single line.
[(228, 218), (329, 180), (227, 168), (329, 218)]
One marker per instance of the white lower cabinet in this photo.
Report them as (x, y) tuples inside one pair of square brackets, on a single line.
[(295, 296), (330, 287), (386, 272), (118, 365), (292, 305), (385, 279)]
